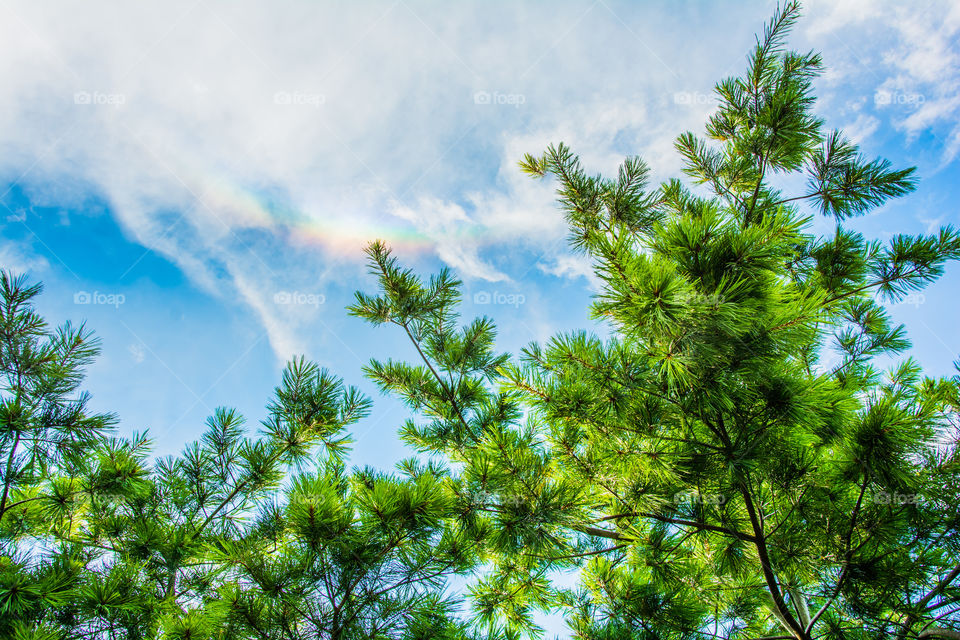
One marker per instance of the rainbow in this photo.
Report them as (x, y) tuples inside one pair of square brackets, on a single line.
[(344, 233)]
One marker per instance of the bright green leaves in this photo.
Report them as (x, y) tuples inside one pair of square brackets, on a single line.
[(222, 439), (348, 555), (595, 208), (883, 448), (46, 428), (415, 506), (503, 493), (729, 176), (472, 349), (448, 384), (113, 592), (839, 264), (618, 602), (509, 597), (708, 468), (766, 114), (865, 335), (406, 300), (645, 289), (843, 184), (311, 406), (121, 470), (765, 124), (22, 591), (159, 538), (316, 510), (712, 435), (909, 263), (50, 445), (194, 624), (29, 593)]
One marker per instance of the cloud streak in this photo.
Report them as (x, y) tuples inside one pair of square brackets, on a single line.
[(258, 148)]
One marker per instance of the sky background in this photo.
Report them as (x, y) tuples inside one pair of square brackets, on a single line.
[(197, 179)]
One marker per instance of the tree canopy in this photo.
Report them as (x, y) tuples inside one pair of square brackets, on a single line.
[(743, 452)]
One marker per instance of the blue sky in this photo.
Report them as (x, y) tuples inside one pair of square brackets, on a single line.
[(196, 179)]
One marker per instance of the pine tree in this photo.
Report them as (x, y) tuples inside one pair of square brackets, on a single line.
[(710, 470), (263, 537), (43, 417), (46, 435)]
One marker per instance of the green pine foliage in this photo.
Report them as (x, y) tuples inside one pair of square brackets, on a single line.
[(732, 462), (746, 454), (261, 537)]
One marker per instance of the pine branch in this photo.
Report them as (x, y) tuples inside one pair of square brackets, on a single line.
[(848, 553), (925, 600), (7, 475)]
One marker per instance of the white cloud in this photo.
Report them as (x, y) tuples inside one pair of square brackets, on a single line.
[(908, 53), (14, 258), (137, 352), (572, 266), (862, 127), (258, 147)]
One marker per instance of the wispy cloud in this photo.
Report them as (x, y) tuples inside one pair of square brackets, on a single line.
[(258, 147), (908, 53)]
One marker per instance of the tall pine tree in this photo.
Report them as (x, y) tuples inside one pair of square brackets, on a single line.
[(260, 537), (711, 470), (732, 462)]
